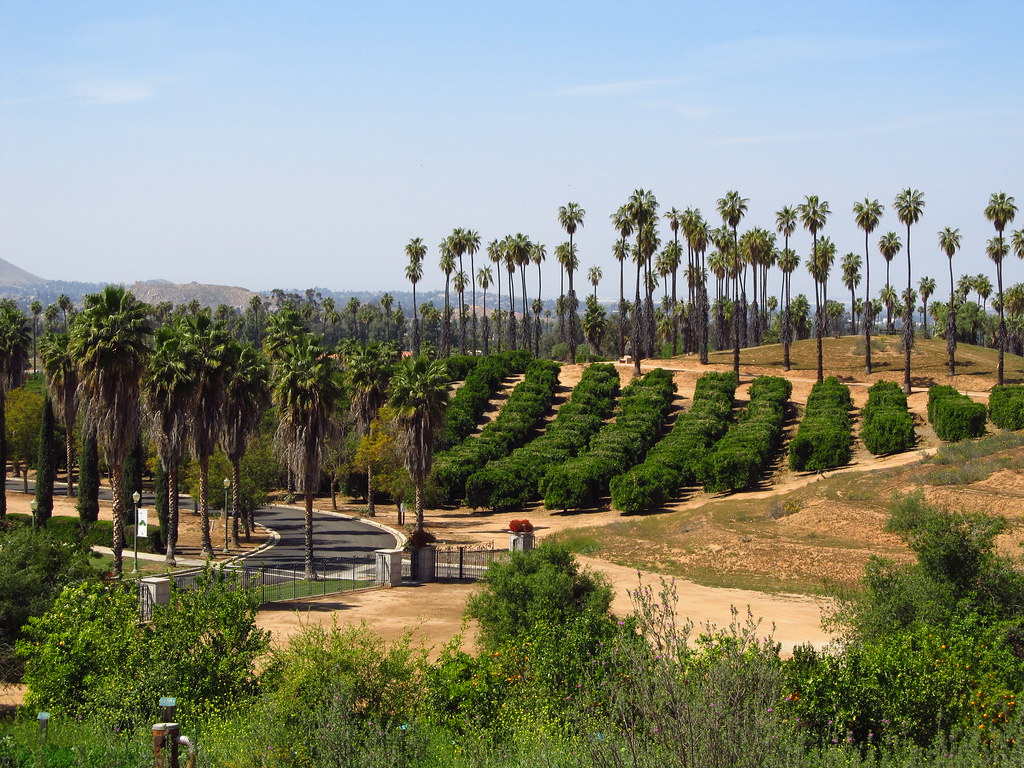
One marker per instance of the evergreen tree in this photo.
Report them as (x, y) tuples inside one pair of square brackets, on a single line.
[(46, 466), (134, 464), (89, 478), (160, 506)]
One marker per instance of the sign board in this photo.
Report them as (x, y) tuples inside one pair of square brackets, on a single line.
[(141, 522)]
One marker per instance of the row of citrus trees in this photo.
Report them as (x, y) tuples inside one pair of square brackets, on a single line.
[(579, 458)]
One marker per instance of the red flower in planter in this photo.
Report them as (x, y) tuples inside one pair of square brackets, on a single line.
[(520, 526)]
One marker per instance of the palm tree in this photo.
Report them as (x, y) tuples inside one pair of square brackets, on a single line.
[(246, 398), (538, 254), (909, 205), (459, 283), (732, 208), (851, 279), (673, 258), (594, 324), (594, 275), (207, 346), (62, 385), (307, 387), (447, 265), (419, 395), (925, 287), (813, 215), (1001, 210), (949, 241), (565, 255), (819, 266), (109, 339), (867, 215), (66, 307), (168, 393), (14, 344), (508, 253), (889, 245), (697, 242), (495, 252), (642, 208), (369, 369), (570, 218), (457, 242), (788, 261), (522, 247), (483, 279), (471, 245), (36, 309), (623, 223), (416, 251)]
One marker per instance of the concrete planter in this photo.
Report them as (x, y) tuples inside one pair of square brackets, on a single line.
[(521, 541)]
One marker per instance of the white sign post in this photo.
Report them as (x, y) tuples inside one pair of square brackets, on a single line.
[(141, 523)]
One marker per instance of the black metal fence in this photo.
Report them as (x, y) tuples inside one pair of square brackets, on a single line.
[(458, 563)]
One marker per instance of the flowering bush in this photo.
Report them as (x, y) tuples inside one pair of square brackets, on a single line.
[(520, 526)]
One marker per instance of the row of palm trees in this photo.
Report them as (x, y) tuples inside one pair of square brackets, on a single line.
[(192, 387), (733, 258)]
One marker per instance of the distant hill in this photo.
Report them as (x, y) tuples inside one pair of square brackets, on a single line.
[(13, 276), (155, 291)]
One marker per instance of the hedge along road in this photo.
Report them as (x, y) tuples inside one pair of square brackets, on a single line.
[(334, 537)]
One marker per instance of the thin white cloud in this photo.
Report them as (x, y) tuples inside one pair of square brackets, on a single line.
[(113, 92), (609, 89)]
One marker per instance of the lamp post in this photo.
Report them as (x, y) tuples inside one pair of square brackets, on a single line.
[(34, 506), (227, 484), (136, 497)]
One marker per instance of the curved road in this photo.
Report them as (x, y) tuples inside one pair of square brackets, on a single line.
[(334, 537)]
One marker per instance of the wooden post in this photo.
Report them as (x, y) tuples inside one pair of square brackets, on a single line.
[(165, 745)]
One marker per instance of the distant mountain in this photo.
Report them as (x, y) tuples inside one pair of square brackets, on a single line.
[(156, 291), (11, 275)]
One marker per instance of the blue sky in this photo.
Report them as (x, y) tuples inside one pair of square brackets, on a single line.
[(297, 144)]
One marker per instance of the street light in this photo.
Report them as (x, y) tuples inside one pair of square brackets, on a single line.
[(34, 506), (227, 484), (136, 497)]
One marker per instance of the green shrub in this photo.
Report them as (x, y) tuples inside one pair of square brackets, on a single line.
[(738, 459), (471, 399), (616, 447), (512, 481), (886, 424), (522, 414), (674, 460), (955, 416), (1006, 406), (823, 439)]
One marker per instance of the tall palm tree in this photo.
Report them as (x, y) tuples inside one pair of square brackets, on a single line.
[(788, 261), (565, 254), (471, 246), (459, 283), (457, 241), (889, 245), (109, 339), (1001, 210), (594, 275), (419, 395), (447, 265), (14, 345), (36, 309), (168, 394), (62, 384), (732, 208), (207, 347), (369, 370), (623, 223), (307, 387), (642, 208), (495, 252), (66, 307), (851, 279), (949, 242), (909, 205), (867, 214), (246, 398), (523, 248), (673, 258), (538, 254), (819, 265), (697, 240), (925, 287), (508, 252), (483, 279), (416, 251), (813, 214), (570, 218)]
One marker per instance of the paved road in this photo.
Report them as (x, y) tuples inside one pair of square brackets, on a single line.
[(333, 537)]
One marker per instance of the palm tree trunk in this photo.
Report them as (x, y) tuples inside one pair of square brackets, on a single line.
[(497, 316), (951, 324), (236, 501), (472, 285), (118, 517), (3, 454), (446, 331), (371, 507), (638, 323), (622, 307), (415, 324), (869, 308), (204, 504), (419, 504), (69, 457), (1002, 322), (675, 324), (310, 574), (787, 328), (172, 514)]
